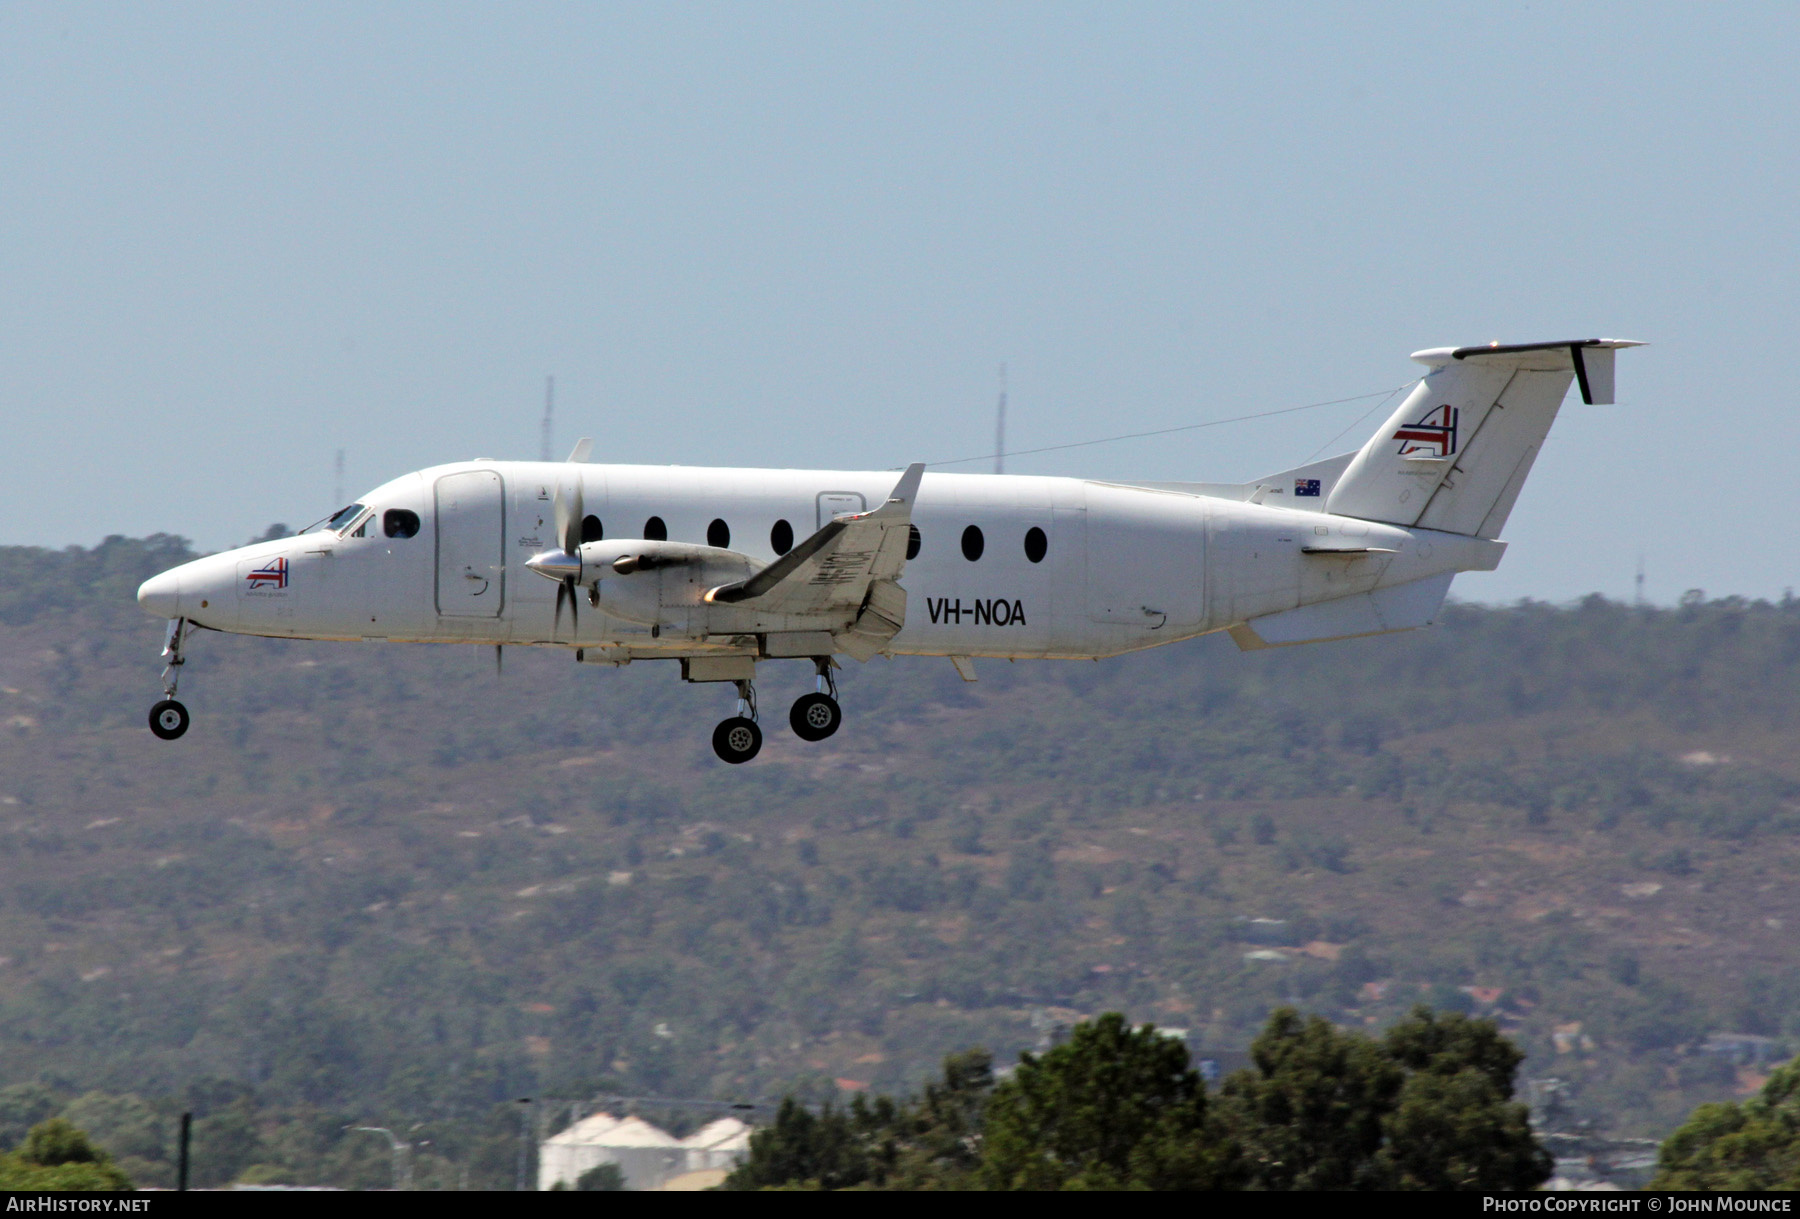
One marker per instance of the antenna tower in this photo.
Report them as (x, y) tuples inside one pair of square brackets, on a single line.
[(1000, 427), (337, 486), (544, 444), (1640, 582)]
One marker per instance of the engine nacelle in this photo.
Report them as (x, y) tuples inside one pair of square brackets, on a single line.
[(657, 583)]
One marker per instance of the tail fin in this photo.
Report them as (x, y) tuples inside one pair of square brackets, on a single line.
[(1455, 454)]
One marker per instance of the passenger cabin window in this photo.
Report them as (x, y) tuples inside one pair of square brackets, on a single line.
[(1036, 544), (399, 523), (718, 534), (781, 538), (973, 543), (591, 530), (655, 530), (913, 541)]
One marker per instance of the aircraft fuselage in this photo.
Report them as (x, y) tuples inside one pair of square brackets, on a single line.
[(1113, 568)]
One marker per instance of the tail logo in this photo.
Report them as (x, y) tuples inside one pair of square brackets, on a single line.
[(273, 575), (1432, 436)]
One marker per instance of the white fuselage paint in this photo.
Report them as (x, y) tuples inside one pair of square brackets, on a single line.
[(1125, 567)]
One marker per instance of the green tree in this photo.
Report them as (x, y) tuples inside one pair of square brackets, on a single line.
[(831, 1149), (601, 1178), (1309, 1115), (939, 1136), (1456, 1126), (56, 1155), (1752, 1146), (1110, 1108), (930, 1142), (1427, 1107)]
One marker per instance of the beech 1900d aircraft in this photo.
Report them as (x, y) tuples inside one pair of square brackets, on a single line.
[(725, 569)]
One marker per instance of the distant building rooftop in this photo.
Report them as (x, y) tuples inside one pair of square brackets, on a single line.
[(648, 1156)]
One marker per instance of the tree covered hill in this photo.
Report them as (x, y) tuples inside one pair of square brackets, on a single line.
[(383, 880)]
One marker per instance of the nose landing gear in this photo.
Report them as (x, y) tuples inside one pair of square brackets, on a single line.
[(168, 718), (739, 738), (817, 715)]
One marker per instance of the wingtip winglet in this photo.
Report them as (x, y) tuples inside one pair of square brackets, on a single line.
[(907, 489)]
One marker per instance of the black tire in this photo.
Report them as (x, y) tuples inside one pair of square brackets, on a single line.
[(815, 716), (737, 740), (168, 719)]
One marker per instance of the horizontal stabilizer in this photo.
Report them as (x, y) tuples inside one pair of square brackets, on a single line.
[(1590, 359), (1404, 607)]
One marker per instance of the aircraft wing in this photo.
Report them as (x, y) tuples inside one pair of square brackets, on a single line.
[(846, 568)]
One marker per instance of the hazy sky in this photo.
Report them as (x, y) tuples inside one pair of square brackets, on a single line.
[(236, 238)]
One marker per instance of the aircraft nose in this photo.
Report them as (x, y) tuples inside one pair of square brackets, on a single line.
[(161, 595)]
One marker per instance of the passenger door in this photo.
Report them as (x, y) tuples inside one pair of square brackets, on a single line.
[(471, 545)]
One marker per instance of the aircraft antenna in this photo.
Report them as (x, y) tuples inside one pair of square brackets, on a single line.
[(1000, 427), (337, 486), (545, 439)]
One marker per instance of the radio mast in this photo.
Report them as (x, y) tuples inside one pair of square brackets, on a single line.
[(1000, 427), (545, 439)]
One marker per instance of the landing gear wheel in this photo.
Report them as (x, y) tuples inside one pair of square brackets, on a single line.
[(168, 719), (737, 739), (815, 716)]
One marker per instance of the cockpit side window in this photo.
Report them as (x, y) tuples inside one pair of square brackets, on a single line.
[(357, 526), (343, 516), (399, 523)]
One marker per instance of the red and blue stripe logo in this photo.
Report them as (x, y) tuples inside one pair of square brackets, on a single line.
[(271, 575), (1434, 435)]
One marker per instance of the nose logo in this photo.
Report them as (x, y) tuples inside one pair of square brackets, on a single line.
[(271, 575)]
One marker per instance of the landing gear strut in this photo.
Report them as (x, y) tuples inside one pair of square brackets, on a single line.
[(817, 715), (168, 718), (739, 738)]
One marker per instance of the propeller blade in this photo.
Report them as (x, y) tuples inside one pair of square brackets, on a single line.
[(568, 515), (566, 588)]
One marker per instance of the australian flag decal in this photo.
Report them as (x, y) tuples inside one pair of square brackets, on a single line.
[(1432, 436), (1306, 486), (271, 575)]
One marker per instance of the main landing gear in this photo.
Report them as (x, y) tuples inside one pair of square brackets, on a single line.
[(168, 718), (739, 738), (817, 715), (814, 717)]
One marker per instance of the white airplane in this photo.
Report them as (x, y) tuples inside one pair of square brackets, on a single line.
[(722, 569)]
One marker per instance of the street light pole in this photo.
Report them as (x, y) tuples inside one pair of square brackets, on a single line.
[(402, 1162), (522, 1181)]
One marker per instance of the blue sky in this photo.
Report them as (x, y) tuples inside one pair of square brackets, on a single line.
[(236, 238)]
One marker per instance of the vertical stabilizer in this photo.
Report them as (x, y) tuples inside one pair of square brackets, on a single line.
[(1455, 454)]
